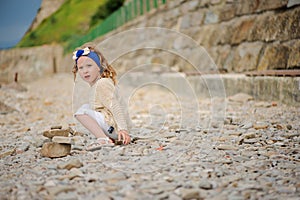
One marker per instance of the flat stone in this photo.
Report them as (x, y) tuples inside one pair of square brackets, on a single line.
[(235, 133), (260, 125), (279, 126), (55, 190), (67, 195), (287, 189), (241, 98), (291, 135), (224, 161), (250, 141), (55, 150), (269, 142), (56, 132), (77, 147), (8, 153), (204, 184), (63, 140), (249, 135), (73, 173), (226, 147), (188, 193), (74, 163)]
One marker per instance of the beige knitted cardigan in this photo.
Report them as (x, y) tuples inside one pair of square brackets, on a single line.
[(103, 99)]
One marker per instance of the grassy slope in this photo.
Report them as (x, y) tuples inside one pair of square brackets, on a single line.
[(70, 21)]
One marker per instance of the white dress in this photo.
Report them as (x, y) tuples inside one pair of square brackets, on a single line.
[(98, 117)]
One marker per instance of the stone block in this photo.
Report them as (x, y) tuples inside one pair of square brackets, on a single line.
[(174, 13), (270, 5), (215, 36), (293, 3), (199, 85), (237, 83), (202, 59), (205, 35), (266, 88), (185, 22), (213, 52), (196, 18), (228, 62), (294, 56), (211, 17), (228, 12), (293, 24), (246, 56), (55, 150), (223, 53), (290, 90), (241, 30), (272, 26), (257, 31), (173, 4), (275, 56), (249, 7), (189, 6), (225, 32), (246, 7), (163, 58), (182, 43)]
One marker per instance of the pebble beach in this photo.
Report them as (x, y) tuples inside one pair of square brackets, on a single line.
[(253, 152)]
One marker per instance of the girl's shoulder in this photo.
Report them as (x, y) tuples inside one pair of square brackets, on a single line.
[(105, 84), (105, 81)]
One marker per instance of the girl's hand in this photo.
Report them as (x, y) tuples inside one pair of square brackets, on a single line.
[(124, 136)]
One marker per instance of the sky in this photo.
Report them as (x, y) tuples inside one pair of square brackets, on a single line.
[(15, 19)]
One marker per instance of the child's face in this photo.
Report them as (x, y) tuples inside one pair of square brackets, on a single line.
[(88, 69)]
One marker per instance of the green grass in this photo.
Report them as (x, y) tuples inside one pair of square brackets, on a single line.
[(71, 21)]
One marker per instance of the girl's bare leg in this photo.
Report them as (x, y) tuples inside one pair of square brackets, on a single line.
[(91, 125)]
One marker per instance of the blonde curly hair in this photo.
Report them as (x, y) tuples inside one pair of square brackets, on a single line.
[(108, 72)]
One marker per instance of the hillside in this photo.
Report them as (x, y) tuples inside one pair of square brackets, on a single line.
[(71, 20)]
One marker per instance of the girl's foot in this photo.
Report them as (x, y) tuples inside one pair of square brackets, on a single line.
[(100, 142)]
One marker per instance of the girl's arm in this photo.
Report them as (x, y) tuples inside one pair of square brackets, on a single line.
[(105, 93)]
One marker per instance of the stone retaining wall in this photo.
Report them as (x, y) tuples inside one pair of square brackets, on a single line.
[(30, 63), (239, 35), (278, 89)]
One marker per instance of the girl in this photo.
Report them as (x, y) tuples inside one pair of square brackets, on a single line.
[(104, 116)]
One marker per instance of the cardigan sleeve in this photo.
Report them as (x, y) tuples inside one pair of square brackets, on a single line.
[(105, 94)]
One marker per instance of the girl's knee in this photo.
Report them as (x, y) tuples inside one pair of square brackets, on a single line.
[(78, 116)]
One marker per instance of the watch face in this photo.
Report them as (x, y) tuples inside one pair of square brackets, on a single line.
[(111, 129)]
